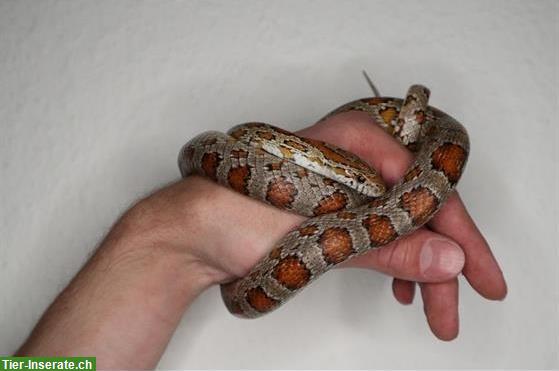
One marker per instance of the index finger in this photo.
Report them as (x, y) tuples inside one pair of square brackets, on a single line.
[(480, 268)]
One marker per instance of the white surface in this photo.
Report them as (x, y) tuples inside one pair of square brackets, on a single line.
[(96, 98)]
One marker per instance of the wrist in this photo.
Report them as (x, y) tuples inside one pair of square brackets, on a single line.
[(200, 221), (225, 231), (165, 229)]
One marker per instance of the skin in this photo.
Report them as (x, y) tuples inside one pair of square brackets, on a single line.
[(125, 303)]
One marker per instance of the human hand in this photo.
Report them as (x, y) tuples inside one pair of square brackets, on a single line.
[(460, 246), (228, 243)]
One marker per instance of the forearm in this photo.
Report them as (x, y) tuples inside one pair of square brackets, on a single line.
[(125, 303)]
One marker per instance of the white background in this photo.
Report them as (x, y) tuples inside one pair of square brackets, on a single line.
[(96, 98)]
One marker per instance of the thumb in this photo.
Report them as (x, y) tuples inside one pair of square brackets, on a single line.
[(423, 256)]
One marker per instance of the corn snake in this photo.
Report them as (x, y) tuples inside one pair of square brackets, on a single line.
[(349, 207)]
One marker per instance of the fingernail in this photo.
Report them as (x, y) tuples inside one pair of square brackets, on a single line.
[(440, 259)]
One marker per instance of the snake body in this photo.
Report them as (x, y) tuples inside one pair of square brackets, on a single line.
[(349, 208)]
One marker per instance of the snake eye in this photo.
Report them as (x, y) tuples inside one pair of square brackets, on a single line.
[(361, 179)]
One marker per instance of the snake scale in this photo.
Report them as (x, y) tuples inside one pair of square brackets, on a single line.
[(350, 209)]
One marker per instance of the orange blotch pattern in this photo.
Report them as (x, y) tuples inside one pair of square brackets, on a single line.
[(380, 228), (292, 273), (259, 300), (336, 201), (449, 158), (281, 193), (388, 114), (420, 203), (210, 162), (336, 244), (238, 178)]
